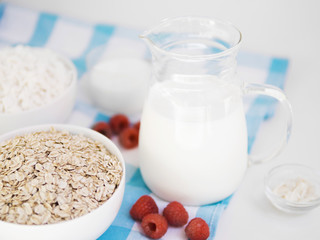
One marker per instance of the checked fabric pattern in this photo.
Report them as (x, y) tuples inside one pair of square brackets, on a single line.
[(75, 39)]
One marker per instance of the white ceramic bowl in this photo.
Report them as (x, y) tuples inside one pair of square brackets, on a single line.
[(119, 85), (56, 111), (117, 82), (278, 175), (86, 227)]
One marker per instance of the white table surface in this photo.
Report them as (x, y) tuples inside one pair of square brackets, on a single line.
[(289, 28)]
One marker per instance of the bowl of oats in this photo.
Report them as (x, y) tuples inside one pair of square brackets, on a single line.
[(37, 86), (58, 182)]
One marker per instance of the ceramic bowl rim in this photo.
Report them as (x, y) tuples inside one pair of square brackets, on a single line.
[(74, 130)]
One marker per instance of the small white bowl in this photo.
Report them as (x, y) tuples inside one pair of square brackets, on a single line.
[(117, 82), (282, 173), (119, 85), (56, 111), (86, 227)]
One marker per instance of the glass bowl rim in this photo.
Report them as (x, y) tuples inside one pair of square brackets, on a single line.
[(273, 197)]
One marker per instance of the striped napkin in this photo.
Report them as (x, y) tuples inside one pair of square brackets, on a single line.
[(75, 39)]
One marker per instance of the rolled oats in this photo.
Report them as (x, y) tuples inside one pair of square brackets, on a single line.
[(52, 176)]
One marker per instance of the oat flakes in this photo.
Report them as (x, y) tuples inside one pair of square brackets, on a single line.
[(52, 176)]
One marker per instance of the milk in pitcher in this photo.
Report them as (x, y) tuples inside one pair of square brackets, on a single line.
[(193, 144), (193, 134)]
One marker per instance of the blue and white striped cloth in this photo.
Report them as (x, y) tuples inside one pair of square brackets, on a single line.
[(75, 39)]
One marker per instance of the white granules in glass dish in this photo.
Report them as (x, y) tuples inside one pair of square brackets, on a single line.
[(30, 78), (296, 190)]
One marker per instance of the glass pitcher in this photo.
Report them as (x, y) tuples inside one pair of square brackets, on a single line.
[(193, 135)]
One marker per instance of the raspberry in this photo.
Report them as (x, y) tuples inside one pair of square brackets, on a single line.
[(118, 122), (103, 128), (143, 206), (129, 138), (137, 125), (154, 225), (197, 229), (176, 214)]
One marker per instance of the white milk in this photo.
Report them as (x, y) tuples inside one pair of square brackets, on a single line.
[(193, 144)]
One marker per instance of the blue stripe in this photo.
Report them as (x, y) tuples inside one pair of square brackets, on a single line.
[(253, 60), (253, 124), (212, 213), (277, 72), (276, 77), (135, 188), (131, 195), (134, 235), (43, 29), (211, 216), (2, 9), (130, 172), (137, 181), (115, 232), (101, 35), (263, 107), (279, 65), (85, 108), (101, 117), (123, 218)]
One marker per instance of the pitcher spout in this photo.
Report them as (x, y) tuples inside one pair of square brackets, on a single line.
[(145, 37), (193, 46), (152, 38), (193, 38), (158, 36)]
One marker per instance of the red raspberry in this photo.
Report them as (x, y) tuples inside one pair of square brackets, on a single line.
[(103, 128), (143, 206), (197, 229), (154, 225), (129, 138), (137, 125), (118, 122), (176, 214)]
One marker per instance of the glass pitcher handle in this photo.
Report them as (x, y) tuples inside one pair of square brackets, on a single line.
[(271, 91)]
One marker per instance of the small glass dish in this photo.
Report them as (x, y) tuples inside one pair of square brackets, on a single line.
[(290, 174)]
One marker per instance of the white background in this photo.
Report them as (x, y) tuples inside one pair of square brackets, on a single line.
[(287, 28)]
